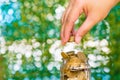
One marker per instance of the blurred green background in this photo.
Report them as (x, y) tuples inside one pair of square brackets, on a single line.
[(29, 38)]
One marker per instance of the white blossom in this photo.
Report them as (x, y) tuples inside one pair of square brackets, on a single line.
[(38, 64), (103, 43), (59, 11), (19, 56), (37, 53), (16, 67), (36, 45), (50, 17), (92, 57), (106, 69), (90, 43), (106, 50), (94, 64)]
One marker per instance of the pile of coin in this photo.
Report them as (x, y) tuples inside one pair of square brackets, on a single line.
[(75, 66)]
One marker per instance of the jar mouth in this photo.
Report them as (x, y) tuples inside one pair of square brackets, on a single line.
[(80, 68)]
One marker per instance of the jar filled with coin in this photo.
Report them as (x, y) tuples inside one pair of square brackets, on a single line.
[(75, 65)]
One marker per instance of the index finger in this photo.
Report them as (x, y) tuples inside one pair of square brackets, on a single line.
[(68, 25)]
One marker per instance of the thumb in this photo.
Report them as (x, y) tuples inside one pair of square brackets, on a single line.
[(85, 27)]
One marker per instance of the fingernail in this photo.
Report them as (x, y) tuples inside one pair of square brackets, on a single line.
[(78, 39)]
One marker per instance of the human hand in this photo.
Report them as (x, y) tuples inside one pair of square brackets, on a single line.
[(95, 11)]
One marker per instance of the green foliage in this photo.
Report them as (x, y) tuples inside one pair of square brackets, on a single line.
[(114, 21)]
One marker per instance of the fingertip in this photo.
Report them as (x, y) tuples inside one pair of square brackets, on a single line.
[(66, 40), (63, 42)]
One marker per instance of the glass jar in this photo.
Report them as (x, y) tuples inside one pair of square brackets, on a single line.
[(74, 66)]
